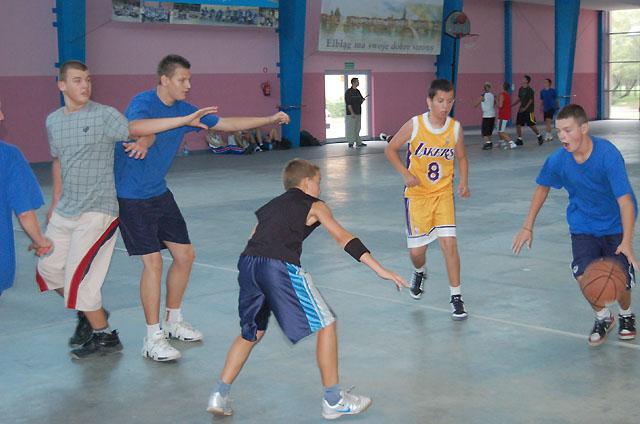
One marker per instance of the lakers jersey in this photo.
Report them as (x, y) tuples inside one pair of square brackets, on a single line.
[(430, 156)]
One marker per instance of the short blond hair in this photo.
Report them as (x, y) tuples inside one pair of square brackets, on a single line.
[(297, 170)]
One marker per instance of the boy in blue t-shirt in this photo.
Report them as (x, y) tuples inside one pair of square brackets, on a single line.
[(601, 213), (150, 219), (549, 106), (19, 194)]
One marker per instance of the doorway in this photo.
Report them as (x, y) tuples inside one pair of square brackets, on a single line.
[(335, 85)]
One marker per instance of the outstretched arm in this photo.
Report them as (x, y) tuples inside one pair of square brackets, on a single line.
[(525, 235), (628, 216), (322, 213), (143, 127), (247, 123), (392, 153)]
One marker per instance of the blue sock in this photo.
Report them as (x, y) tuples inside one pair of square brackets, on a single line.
[(332, 394), (223, 388)]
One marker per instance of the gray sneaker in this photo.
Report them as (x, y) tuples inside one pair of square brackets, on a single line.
[(219, 405), (348, 405)]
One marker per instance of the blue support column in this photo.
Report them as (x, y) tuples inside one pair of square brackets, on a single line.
[(601, 59), (71, 25), (567, 13), (508, 44), (291, 36), (447, 62)]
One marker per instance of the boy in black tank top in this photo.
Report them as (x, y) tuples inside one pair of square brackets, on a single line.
[(272, 280)]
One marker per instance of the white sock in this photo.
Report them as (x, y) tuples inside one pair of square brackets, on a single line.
[(603, 314), (419, 270), (107, 329), (152, 329), (626, 312), (173, 315), (455, 290)]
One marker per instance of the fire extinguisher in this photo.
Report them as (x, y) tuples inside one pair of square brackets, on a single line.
[(266, 88)]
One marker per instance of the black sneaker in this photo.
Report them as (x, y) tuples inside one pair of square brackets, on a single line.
[(83, 331), (600, 330), (457, 308), (361, 145), (519, 142), (417, 284), (99, 344), (627, 329), (350, 145), (487, 146), (540, 140)]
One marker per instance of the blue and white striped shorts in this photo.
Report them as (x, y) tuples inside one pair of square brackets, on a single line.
[(272, 285)]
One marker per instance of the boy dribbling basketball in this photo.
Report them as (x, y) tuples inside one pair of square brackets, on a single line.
[(601, 214)]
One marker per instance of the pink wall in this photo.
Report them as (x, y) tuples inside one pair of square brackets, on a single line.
[(228, 66)]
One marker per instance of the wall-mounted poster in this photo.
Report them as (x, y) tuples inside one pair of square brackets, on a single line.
[(254, 13), (381, 26)]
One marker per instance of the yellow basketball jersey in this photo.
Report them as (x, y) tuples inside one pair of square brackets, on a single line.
[(430, 156)]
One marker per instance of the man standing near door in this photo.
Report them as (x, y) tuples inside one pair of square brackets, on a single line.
[(353, 99)]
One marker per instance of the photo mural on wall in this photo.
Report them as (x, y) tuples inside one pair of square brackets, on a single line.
[(246, 13), (381, 26)]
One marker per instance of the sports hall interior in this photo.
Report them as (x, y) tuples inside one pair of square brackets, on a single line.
[(521, 357)]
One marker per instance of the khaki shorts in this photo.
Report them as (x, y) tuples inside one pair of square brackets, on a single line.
[(82, 249)]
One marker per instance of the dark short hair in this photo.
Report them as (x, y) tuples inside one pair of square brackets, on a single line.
[(439, 85), (573, 111), (354, 79), (70, 64), (297, 170), (169, 63), (506, 86), (549, 80), (528, 78)]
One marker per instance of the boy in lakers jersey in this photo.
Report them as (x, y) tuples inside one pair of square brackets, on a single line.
[(434, 140)]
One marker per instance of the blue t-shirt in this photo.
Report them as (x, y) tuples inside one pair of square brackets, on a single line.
[(143, 179), (549, 99), (593, 186), (19, 193)]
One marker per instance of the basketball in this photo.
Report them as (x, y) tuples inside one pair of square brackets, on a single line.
[(603, 281)]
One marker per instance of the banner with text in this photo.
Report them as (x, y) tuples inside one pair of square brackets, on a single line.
[(374, 26)]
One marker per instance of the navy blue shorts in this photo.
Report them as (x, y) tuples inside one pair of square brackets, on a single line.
[(587, 248), (145, 224), (272, 285)]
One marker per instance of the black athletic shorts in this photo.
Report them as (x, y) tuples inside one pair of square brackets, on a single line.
[(487, 126), (587, 248), (145, 224), (526, 118), (548, 114)]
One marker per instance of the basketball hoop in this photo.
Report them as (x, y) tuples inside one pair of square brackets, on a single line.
[(457, 24)]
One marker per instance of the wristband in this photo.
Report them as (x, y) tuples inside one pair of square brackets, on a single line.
[(355, 248)]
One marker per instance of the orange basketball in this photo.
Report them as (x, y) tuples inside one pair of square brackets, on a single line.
[(603, 281)]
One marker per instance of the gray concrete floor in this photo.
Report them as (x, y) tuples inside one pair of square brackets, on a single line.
[(522, 357)]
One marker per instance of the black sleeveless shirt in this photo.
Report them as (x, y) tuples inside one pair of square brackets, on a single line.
[(282, 227)]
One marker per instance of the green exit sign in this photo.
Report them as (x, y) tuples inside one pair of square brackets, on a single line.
[(349, 66)]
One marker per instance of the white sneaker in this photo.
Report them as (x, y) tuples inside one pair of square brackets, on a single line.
[(157, 347), (181, 330), (513, 145), (348, 405), (218, 405)]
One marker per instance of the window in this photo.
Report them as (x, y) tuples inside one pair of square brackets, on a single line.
[(622, 85)]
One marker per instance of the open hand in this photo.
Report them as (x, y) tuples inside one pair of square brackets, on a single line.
[(525, 235), (395, 278), (280, 118), (193, 120), (627, 250), (135, 149), (463, 190)]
